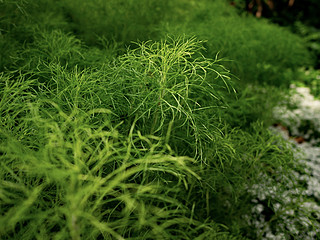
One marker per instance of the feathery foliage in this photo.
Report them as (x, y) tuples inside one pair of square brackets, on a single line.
[(105, 138)]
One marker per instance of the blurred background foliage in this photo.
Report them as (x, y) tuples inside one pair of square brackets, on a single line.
[(299, 16), (257, 51)]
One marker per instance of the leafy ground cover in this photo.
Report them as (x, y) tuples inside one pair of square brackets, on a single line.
[(117, 125), (299, 125)]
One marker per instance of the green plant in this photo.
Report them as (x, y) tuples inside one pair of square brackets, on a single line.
[(311, 37), (158, 141), (309, 78), (247, 42), (166, 85), (77, 179), (68, 171), (123, 21)]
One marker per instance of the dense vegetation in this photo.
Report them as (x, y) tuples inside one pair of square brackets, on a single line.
[(142, 120)]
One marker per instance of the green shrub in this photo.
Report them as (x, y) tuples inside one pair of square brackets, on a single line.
[(251, 104), (166, 85), (21, 20), (309, 78), (67, 171), (140, 147), (259, 51), (121, 20), (152, 142), (77, 179)]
